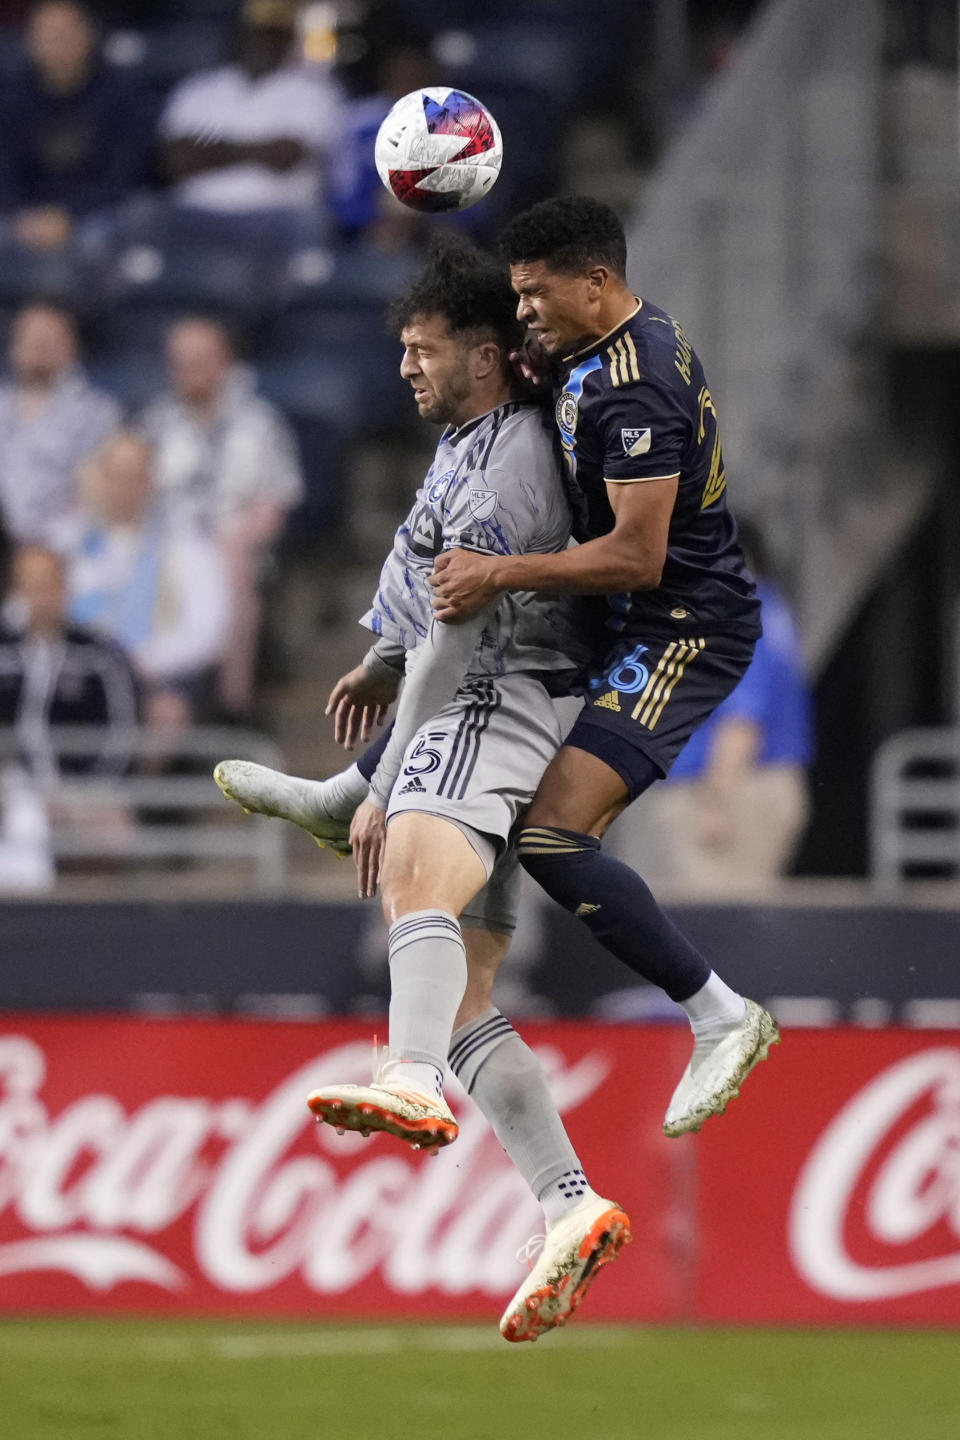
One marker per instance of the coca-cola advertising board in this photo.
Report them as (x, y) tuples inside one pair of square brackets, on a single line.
[(172, 1167), (831, 1190)]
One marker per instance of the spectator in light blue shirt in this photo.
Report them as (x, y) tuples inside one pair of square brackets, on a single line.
[(727, 819)]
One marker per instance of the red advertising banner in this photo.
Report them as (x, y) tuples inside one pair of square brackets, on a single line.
[(831, 1189), (172, 1167)]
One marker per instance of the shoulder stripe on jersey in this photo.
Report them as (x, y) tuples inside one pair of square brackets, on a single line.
[(494, 432), (624, 364)]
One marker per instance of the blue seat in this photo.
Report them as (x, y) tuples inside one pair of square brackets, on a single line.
[(174, 277), (356, 347), (172, 51), (29, 275), (133, 377), (323, 455), (358, 277), (556, 62), (317, 386)]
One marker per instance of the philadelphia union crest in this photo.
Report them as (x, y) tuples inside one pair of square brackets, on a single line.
[(567, 412)]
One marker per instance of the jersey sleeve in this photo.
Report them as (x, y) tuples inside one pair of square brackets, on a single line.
[(643, 432)]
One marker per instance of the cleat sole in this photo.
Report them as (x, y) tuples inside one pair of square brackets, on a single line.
[(424, 1134)]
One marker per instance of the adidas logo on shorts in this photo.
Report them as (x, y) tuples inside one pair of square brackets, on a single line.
[(414, 787)]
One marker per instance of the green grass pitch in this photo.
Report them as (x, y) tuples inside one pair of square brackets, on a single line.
[(140, 1380)]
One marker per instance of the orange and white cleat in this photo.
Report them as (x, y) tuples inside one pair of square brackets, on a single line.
[(425, 1121), (574, 1251)]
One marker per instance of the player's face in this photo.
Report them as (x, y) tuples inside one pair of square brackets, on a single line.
[(437, 365), (558, 308)]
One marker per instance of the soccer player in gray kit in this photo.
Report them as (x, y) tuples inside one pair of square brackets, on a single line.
[(475, 730)]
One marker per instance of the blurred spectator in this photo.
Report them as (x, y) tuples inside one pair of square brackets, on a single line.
[(727, 819), (76, 131), (225, 456), (150, 581), (380, 56), (250, 137), (54, 673), (51, 419)]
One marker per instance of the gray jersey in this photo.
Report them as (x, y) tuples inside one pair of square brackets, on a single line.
[(494, 486)]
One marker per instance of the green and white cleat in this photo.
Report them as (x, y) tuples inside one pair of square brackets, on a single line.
[(718, 1068), (259, 790)]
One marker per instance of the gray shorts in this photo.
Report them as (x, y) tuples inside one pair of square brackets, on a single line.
[(478, 764)]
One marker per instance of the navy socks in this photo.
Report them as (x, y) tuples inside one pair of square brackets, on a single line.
[(615, 905)]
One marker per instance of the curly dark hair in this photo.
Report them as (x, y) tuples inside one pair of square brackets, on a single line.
[(468, 287), (570, 233)]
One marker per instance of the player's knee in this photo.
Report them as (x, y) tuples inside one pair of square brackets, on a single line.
[(545, 851)]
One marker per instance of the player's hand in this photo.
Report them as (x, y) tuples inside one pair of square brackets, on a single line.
[(531, 366), (359, 701), (368, 834), (463, 584)]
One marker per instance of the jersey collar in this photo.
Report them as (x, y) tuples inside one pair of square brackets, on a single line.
[(595, 344), (454, 433)]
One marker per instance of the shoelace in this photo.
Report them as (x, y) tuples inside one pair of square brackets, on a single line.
[(527, 1254)]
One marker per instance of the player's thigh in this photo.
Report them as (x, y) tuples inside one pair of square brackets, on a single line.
[(485, 952), (578, 792), (428, 864)]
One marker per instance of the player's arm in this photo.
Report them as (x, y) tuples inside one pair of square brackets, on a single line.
[(441, 664), (629, 557)]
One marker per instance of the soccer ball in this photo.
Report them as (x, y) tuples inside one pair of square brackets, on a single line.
[(439, 150)]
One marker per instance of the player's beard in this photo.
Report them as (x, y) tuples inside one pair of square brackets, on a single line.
[(446, 406)]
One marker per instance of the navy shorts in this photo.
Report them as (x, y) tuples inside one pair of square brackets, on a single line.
[(651, 696)]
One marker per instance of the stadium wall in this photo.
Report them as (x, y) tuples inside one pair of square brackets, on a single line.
[(862, 964), (172, 1167)]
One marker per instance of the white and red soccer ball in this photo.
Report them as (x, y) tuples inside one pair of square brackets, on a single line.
[(439, 150)]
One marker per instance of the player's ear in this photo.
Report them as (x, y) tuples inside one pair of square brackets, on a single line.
[(489, 357), (597, 279)]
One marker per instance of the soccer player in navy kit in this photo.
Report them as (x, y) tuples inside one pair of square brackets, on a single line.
[(674, 617)]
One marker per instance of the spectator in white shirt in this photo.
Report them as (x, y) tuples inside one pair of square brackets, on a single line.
[(250, 137), (152, 582), (51, 420), (227, 458)]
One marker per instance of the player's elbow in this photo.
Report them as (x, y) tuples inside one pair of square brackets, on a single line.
[(648, 577), (643, 572)]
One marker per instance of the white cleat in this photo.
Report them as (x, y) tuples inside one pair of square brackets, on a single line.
[(718, 1068), (425, 1121), (574, 1251), (261, 791)]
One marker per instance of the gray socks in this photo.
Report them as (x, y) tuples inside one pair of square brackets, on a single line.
[(506, 1080), (428, 975)]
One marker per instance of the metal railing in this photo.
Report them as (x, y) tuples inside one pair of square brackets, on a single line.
[(915, 808), (134, 774)]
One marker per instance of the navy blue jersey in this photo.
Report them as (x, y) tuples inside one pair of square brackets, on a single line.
[(634, 406)]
